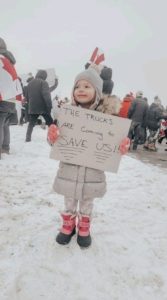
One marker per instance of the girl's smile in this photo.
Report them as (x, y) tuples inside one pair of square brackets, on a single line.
[(84, 92)]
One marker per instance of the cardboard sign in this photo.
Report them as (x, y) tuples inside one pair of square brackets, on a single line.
[(51, 75), (89, 138)]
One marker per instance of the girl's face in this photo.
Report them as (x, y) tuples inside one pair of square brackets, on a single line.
[(84, 92)]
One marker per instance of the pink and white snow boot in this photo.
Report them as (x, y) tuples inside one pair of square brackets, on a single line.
[(67, 230), (84, 239)]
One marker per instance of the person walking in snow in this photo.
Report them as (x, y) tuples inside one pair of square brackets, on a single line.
[(39, 101), (137, 113), (153, 122), (10, 88), (78, 184)]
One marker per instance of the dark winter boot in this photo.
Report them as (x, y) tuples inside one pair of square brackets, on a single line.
[(84, 239), (134, 146), (6, 151), (29, 132), (67, 230), (145, 146), (160, 140)]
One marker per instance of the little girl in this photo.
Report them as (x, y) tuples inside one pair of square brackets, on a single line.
[(83, 183)]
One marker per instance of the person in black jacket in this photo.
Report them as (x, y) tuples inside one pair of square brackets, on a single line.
[(153, 122), (39, 101), (137, 113)]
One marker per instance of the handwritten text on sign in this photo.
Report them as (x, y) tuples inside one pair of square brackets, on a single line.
[(89, 138)]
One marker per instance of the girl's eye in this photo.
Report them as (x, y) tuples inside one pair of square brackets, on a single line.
[(79, 87)]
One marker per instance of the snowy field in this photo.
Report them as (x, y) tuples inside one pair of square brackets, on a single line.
[(128, 256)]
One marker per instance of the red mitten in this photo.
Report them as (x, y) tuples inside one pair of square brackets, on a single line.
[(53, 133), (124, 146)]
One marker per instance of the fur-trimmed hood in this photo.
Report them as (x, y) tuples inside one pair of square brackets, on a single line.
[(110, 105)]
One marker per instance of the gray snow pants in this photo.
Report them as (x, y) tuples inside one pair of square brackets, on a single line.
[(85, 206)]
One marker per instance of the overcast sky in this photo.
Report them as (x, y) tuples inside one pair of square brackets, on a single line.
[(62, 34)]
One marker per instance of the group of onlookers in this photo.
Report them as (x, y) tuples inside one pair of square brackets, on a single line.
[(146, 120)]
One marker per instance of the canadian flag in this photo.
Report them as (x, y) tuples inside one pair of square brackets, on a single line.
[(10, 85), (97, 56)]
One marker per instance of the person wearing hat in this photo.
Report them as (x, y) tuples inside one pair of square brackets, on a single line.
[(10, 88), (78, 184), (153, 122), (137, 113)]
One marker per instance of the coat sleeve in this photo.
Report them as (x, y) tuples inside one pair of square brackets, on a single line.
[(145, 115), (159, 114), (46, 96), (53, 87), (131, 109)]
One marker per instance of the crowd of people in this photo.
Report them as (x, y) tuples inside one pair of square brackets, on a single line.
[(92, 90), (38, 106), (147, 120)]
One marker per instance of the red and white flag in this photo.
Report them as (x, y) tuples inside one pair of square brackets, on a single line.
[(10, 85), (97, 56)]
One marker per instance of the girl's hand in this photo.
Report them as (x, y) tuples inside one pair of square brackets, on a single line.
[(53, 133), (124, 145)]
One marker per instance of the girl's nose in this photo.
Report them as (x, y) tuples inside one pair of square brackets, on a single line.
[(81, 89)]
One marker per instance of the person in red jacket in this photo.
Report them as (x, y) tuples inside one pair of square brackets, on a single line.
[(126, 103)]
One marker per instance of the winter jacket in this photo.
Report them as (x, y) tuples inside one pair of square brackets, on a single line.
[(109, 105), (8, 107), (138, 111), (75, 181), (154, 116), (125, 105), (38, 95)]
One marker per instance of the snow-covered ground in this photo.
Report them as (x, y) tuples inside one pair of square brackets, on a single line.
[(128, 256)]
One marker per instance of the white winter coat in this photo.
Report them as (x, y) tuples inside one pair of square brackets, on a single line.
[(80, 182)]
